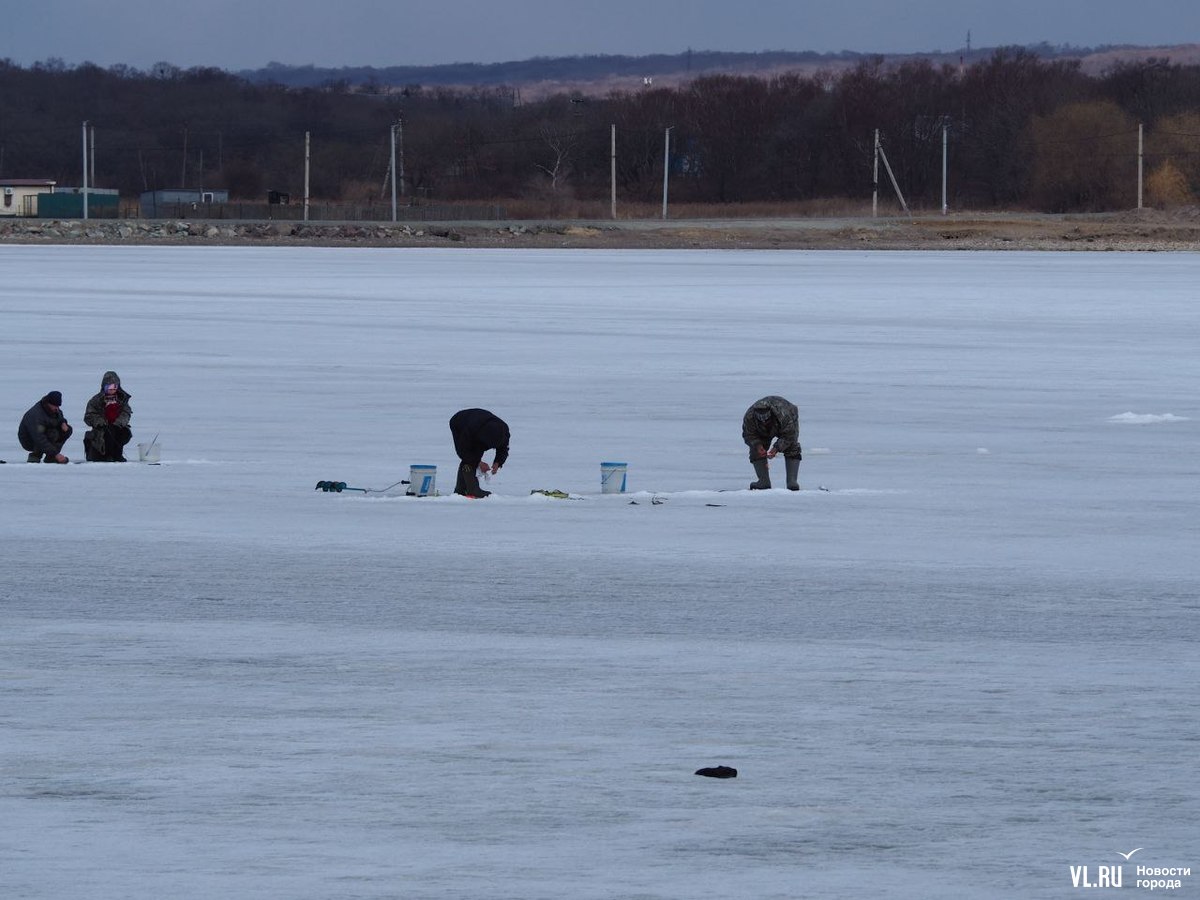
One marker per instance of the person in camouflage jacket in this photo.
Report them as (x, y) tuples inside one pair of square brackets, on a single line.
[(773, 419), (108, 414)]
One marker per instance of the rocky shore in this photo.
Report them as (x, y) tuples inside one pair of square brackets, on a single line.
[(1144, 230)]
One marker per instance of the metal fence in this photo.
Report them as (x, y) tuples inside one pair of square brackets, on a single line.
[(328, 212)]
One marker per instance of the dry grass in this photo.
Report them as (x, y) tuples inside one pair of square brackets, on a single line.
[(570, 208)]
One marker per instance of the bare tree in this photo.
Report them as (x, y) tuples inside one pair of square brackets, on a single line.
[(561, 145)]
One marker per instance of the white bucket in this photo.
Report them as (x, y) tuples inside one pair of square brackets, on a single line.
[(422, 481), (149, 453), (612, 477)]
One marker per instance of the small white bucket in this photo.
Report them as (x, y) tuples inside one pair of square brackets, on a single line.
[(422, 481), (149, 453), (612, 477)]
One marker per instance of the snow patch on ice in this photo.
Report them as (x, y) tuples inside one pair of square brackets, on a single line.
[(1132, 418)]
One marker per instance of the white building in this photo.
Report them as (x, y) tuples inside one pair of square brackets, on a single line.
[(20, 195)]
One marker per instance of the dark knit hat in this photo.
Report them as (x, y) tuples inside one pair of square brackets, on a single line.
[(54, 398)]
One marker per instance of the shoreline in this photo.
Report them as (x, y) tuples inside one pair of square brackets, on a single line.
[(1135, 230)]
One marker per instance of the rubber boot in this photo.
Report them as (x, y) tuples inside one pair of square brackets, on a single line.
[(793, 473), (468, 482), (764, 476), (34, 457)]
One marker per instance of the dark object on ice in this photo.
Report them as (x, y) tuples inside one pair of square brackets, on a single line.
[(717, 772)]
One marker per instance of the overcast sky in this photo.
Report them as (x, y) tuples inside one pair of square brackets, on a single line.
[(237, 34)]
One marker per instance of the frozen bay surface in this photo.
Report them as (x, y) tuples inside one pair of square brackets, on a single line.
[(960, 662)]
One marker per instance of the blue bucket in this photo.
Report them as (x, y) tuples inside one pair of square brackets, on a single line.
[(612, 477)]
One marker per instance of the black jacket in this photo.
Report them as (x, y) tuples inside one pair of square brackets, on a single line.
[(475, 432), (37, 423)]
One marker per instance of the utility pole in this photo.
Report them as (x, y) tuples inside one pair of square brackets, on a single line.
[(306, 160), (666, 167), (1140, 160), (875, 180), (892, 175), (945, 129), (392, 171), (613, 172), (85, 171)]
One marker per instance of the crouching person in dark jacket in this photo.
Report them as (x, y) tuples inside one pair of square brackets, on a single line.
[(108, 414), (475, 432), (44, 430)]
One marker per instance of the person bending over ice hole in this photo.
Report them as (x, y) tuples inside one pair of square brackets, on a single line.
[(773, 418), (44, 430), (108, 414), (475, 432)]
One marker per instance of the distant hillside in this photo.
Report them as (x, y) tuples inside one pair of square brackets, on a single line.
[(541, 68), (599, 74)]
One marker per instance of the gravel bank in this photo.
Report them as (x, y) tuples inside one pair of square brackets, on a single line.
[(1145, 230)]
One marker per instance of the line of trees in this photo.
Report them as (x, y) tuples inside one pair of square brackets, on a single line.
[(1024, 132)]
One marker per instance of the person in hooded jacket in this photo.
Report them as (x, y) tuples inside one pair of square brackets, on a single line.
[(777, 419), (475, 432), (44, 430), (108, 414)]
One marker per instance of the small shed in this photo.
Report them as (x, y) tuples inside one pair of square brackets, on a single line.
[(21, 195), (169, 203)]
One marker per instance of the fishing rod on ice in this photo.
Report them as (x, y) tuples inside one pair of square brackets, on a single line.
[(336, 487)]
